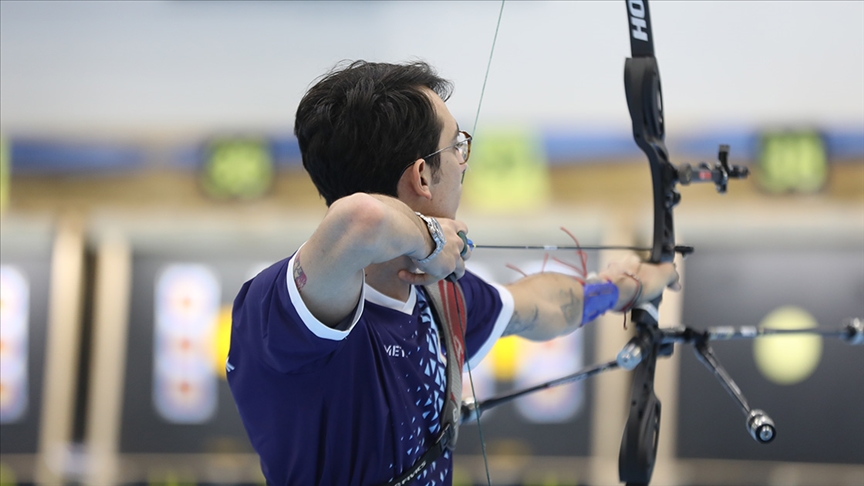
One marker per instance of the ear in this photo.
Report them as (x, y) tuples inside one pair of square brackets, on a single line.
[(415, 181)]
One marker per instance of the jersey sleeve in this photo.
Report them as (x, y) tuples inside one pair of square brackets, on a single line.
[(271, 319), (490, 307)]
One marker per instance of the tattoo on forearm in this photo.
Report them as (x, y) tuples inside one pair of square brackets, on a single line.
[(299, 274), (520, 322), (571, 309)]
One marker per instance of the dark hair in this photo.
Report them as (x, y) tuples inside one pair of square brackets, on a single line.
[(360, 125)]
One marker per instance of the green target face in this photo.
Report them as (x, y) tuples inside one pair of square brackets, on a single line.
[(792, 162), (238, 169)]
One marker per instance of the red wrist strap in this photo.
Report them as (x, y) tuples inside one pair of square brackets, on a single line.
[(629, 306)]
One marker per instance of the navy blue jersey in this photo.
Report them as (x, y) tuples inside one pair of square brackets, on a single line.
[(355, 407)]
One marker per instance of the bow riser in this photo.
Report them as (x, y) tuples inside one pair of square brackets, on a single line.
[(645, 101)]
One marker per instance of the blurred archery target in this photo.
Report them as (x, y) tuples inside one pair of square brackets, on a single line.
[(187, 308), (790, 359), (540, 362), (187, 297), (186, 395), (14, 312)]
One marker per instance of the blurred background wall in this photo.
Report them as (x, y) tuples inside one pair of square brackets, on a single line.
[(147, 151)]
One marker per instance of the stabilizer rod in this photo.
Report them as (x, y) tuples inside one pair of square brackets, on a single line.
[(471, 409)]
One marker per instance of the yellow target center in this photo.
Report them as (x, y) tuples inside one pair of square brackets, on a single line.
[(222, 340), (788, 359)]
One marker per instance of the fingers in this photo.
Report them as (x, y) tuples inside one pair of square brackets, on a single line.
[(654, 278), (428, 278), (658, 277), (417, 278), (456, 233), (464, 238), (674, 279), (450, 262), (467, 245)]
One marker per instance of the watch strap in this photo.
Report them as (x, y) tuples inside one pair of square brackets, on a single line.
[(437, 235)]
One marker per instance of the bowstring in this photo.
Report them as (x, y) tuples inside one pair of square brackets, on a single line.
[(473, 394), (488, 67), (474, 131)]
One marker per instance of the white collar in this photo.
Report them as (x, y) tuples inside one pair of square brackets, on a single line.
[(378, 298)]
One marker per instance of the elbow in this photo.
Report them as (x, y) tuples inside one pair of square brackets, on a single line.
[(360, 219)]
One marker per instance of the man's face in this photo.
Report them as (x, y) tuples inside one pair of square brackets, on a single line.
[(447, 185)]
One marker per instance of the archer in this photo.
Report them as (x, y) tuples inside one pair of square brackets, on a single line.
[(335, 362)]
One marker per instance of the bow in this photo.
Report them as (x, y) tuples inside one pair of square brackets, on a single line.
[(638, 449), (645, 102)]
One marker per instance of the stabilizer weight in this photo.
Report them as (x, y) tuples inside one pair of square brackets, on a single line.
[(761, 427), (855, 331)]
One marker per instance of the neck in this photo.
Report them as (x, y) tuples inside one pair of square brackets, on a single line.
[(384, 277)]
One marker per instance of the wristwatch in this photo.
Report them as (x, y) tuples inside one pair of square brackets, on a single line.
[(437, 235)]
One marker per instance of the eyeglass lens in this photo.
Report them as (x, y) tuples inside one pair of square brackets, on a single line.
[(464, 145)]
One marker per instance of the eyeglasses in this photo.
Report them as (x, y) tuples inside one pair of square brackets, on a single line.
[(463, 144)]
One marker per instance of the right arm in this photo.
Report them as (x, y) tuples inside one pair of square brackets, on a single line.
[(357, 231)]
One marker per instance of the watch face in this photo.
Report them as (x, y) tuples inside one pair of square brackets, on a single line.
[(437, 233)]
